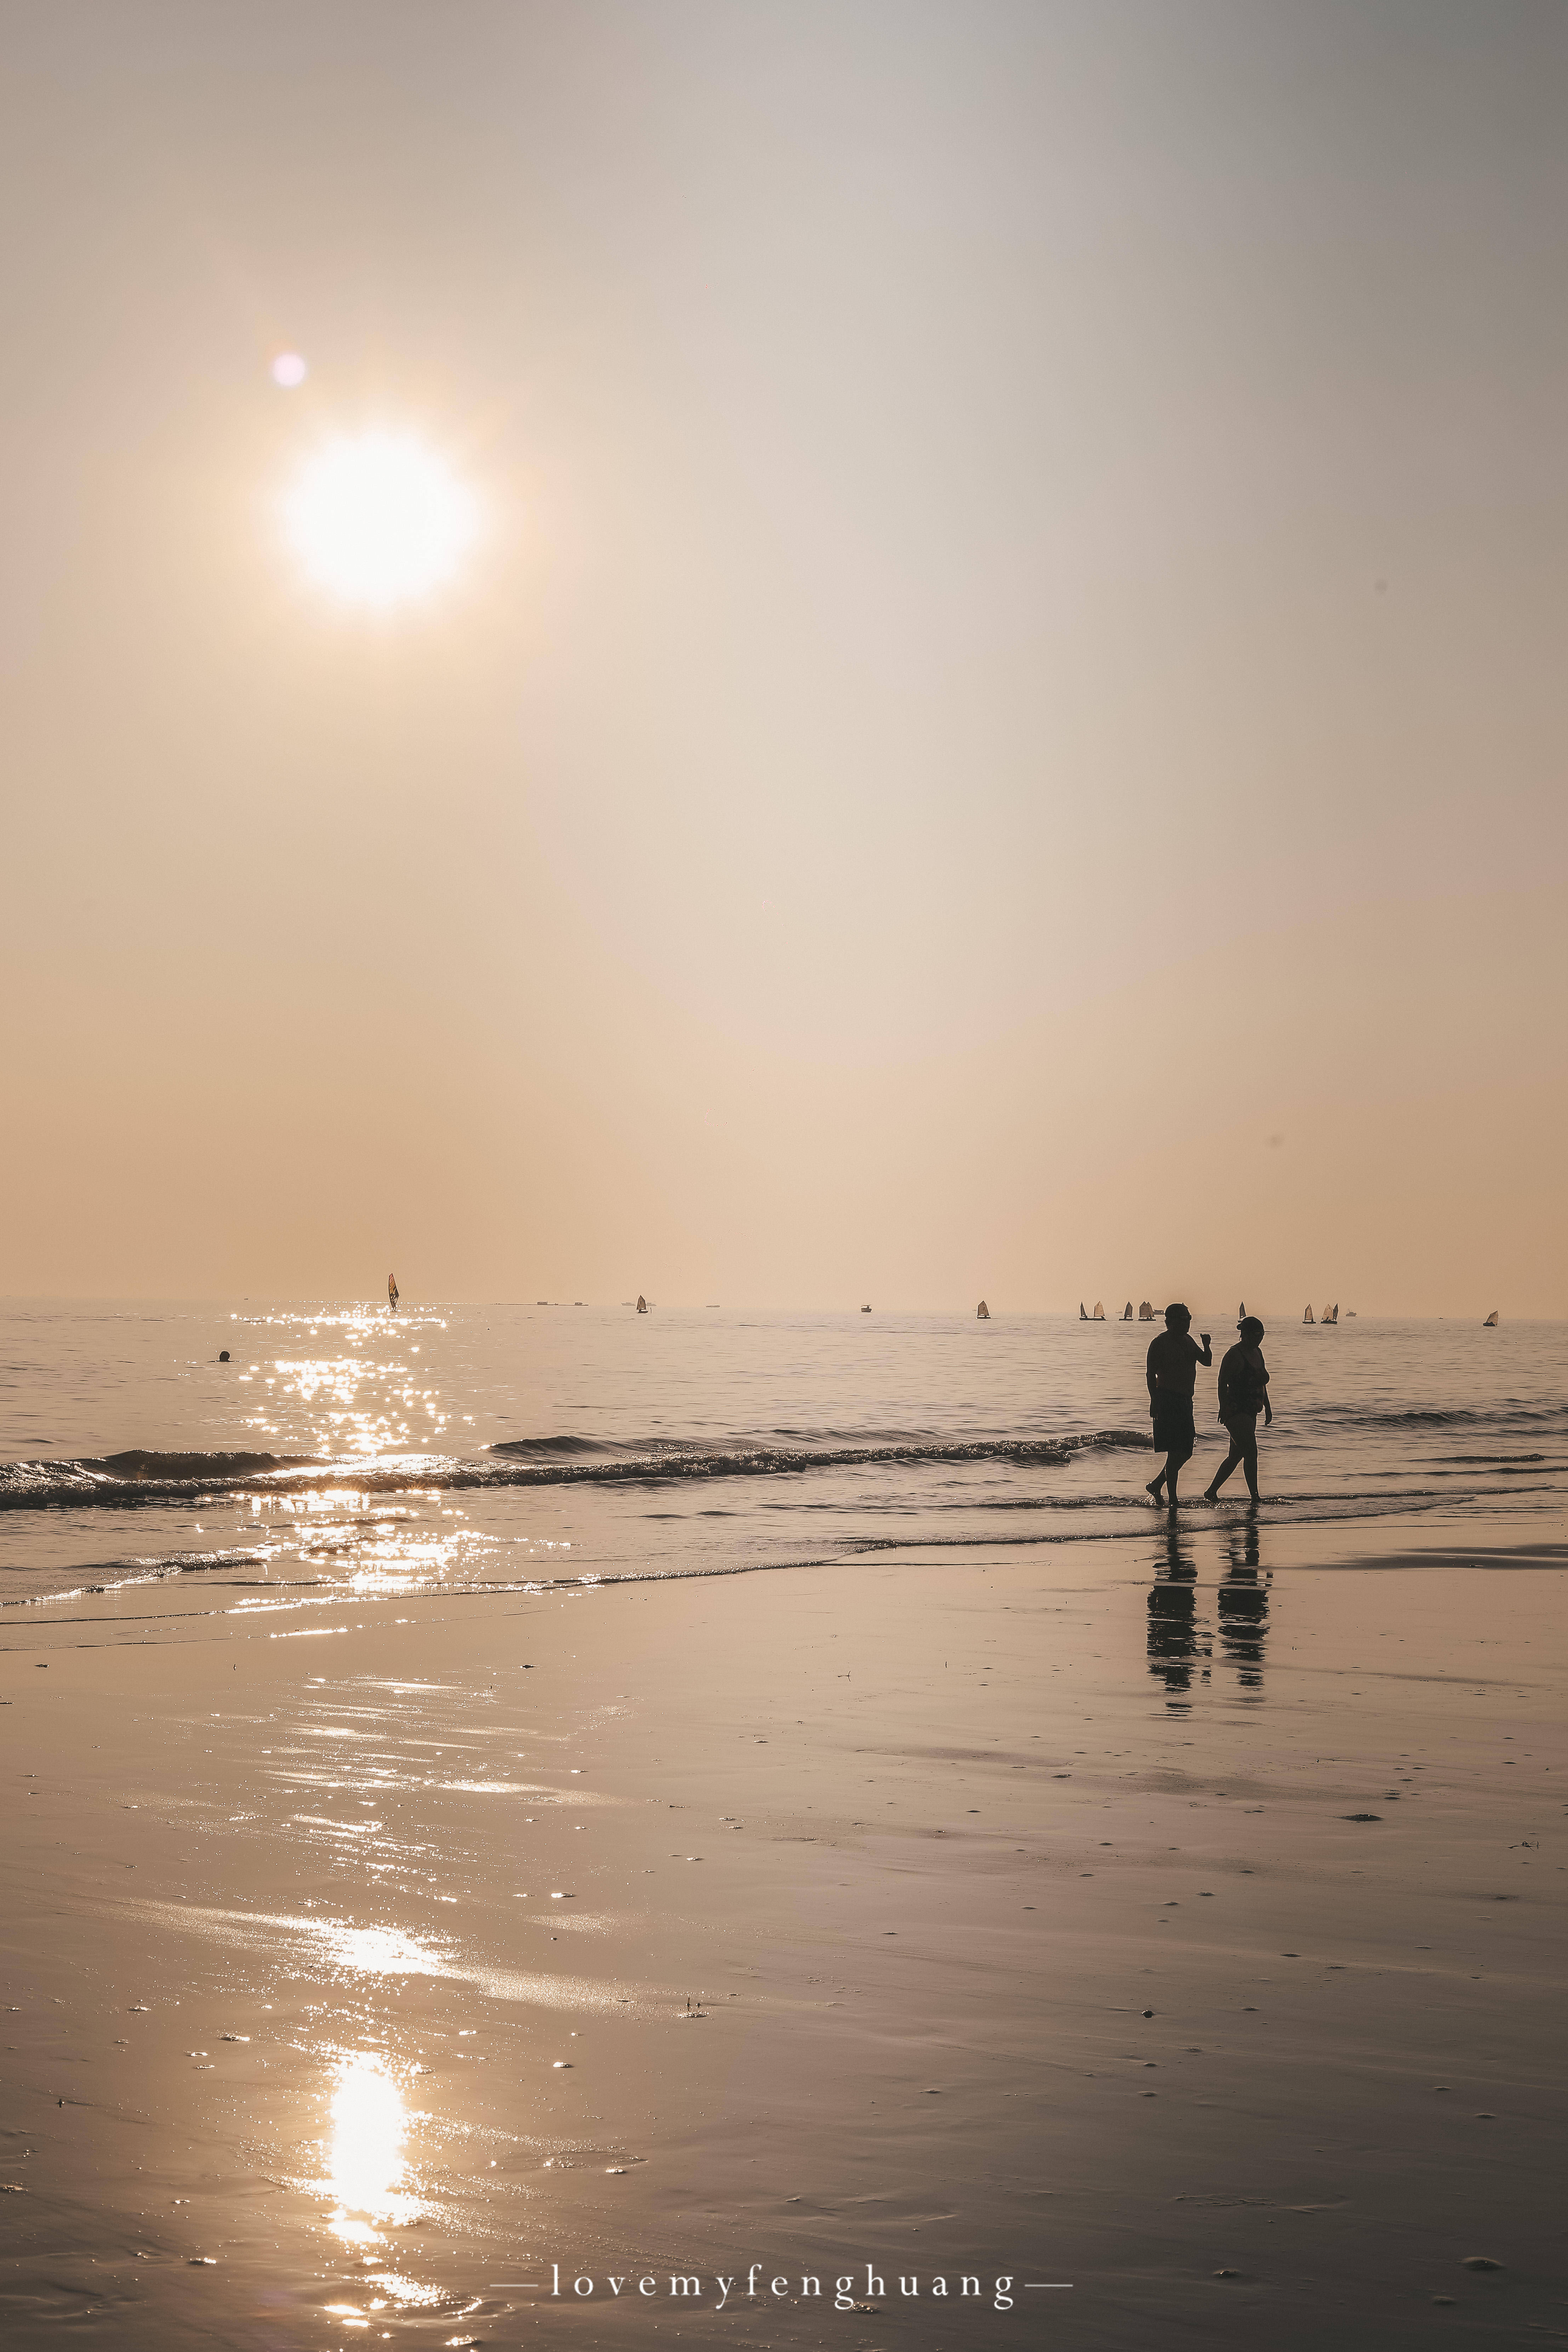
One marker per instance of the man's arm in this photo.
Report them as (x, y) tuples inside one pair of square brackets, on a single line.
[(1206, 1353), (1148, 1368)]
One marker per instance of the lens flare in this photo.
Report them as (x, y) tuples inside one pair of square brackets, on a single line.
[(379, 518)]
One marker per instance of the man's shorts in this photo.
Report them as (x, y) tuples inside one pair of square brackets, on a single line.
[(1174, 1430)]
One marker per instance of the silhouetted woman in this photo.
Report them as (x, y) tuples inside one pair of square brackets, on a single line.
[(1243, 1394)]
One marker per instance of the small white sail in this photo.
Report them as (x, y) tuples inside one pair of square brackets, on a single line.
[(1099, 1315), (983, 1313), (1307, 1316), (1490, 1323)]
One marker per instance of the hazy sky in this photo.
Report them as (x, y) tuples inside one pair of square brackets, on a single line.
[(1006, 730)]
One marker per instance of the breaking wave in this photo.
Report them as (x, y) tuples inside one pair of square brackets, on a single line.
[(122, 1481), (1509, 1415)]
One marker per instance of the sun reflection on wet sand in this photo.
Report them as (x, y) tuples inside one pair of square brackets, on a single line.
[(351, 1951), (366, 2164)]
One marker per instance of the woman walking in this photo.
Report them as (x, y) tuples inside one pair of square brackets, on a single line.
[(1243, 1394)]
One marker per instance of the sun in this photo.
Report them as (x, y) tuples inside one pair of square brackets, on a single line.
[(380, 517)]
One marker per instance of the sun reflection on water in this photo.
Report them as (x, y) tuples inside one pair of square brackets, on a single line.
[(367, 2170)]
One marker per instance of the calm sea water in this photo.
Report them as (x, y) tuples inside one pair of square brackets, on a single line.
[(343, 1449)]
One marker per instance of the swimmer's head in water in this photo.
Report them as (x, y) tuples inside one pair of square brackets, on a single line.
[(1179, 1319), (1252, 1329)]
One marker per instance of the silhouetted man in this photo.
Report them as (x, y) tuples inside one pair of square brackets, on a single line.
[(1243, 1394), (1173, 1371)]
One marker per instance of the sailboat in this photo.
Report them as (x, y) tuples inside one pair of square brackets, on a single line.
[(1490, 1323), (865, 1310), (1099, 1315), (1331, 1314), (983, 1313), (1082, 1312), (642, 1304), (1127, 1312), (1145, 1312), (1307, 1316), (392, 1294), (1241, 1311)]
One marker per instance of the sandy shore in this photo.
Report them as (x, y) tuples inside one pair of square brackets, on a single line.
[(1024, 1901)]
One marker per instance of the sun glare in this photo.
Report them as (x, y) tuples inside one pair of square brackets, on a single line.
[(366, 2167), (380, 517)]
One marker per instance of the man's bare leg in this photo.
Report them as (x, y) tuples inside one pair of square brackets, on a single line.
[(1167, 1477)]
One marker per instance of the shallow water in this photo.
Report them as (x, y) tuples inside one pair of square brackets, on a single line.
[(344, 1451)]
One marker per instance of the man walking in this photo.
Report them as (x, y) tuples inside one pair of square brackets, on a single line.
[(1172, 1371), (1243, 1393)]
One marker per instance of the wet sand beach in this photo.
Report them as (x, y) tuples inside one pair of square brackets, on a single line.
[(1164, 1935)]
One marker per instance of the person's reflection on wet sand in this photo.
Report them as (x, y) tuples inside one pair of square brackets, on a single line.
[(1173, 1631), (1243, 1608)]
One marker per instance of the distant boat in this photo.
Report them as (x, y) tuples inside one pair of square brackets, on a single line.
[(1127, 1312), (1145, 1312), (865, 1310), (983, 1313), (1349, 1312), (1082, 1312), (1099, 1315), (642, 1304), (1241, 1309), (392, 1294), (1490, 1323), (1307, 1316), (1331, 1315)]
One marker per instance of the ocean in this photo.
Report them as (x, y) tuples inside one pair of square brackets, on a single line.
[(440, 1871), (346, 1451)]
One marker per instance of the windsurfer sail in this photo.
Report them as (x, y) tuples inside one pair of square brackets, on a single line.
[(392, 1294)]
